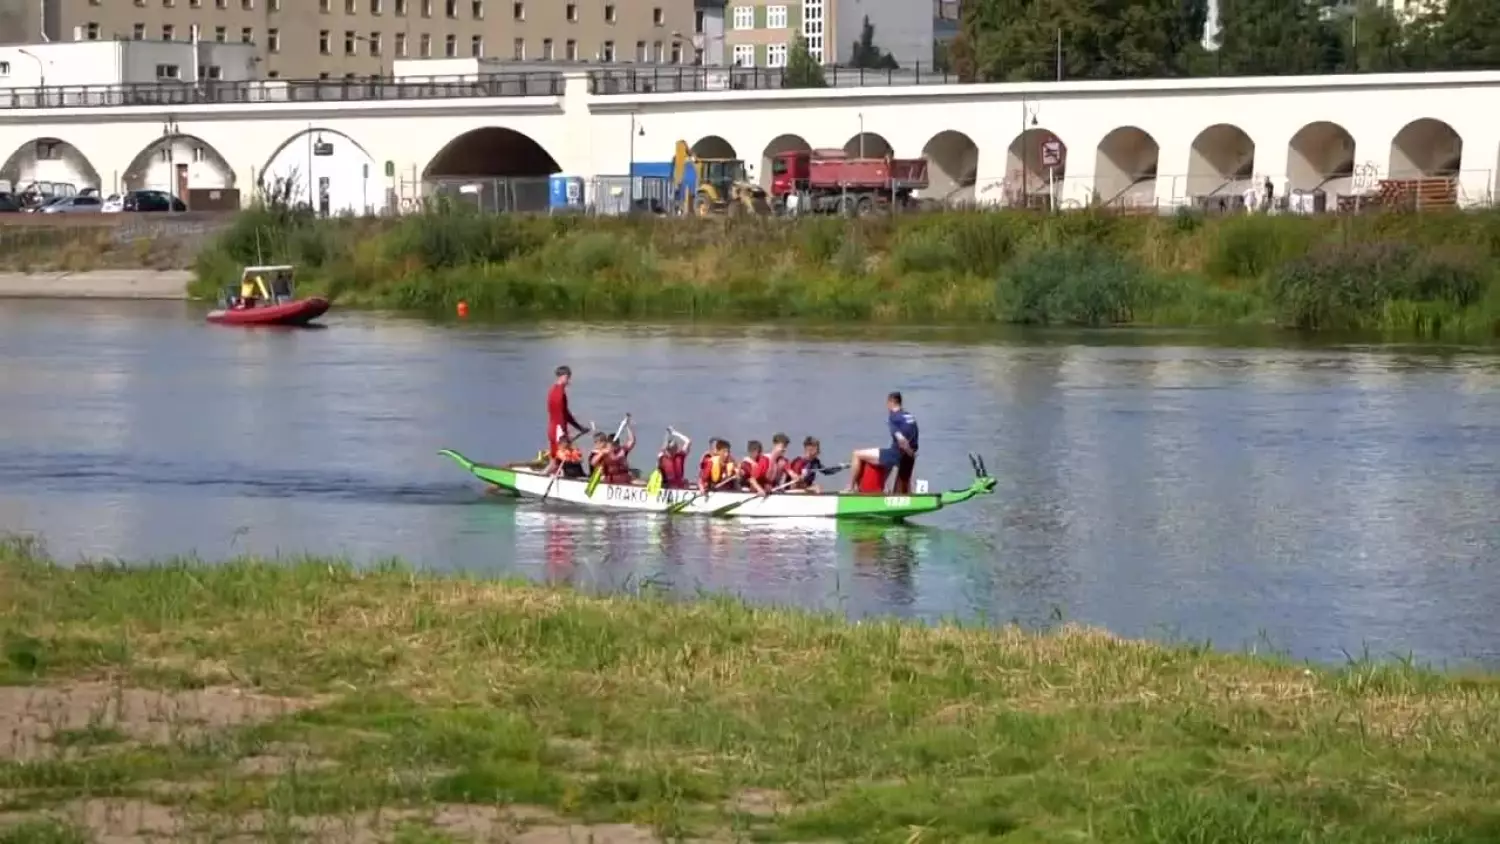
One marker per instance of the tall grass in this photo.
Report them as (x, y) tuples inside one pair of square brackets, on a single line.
[(1413, 274)]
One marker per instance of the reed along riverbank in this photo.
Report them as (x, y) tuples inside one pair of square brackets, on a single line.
[(308, 698), (1420, 274)]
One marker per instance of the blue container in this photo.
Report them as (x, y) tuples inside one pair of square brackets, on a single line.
[(565, 193), (651, 170)]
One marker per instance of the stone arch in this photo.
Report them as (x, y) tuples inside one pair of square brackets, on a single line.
[(952, 166), (1426, 148), (1026, 169), (713, 146), (52, 165), (1125, 168), (1221, 161), (777, 146), (1320, 156), (328, 169), (868, 145), (494, 169), (176, 164)]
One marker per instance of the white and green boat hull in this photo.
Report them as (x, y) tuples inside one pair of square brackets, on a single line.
[(530, 483)]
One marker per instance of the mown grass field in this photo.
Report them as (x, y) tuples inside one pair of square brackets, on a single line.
[(263, 700)]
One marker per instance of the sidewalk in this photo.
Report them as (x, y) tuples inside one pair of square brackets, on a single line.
[(97, 284)]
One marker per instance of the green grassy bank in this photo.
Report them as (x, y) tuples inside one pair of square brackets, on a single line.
[(306, 700), (1422, 274)]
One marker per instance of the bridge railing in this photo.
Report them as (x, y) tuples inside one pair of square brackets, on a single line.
[(213, 92), (656, 79)]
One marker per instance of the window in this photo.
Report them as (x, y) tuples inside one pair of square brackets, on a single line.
[(676, 52), (195, 4), (450, 46), (169, 3), (426, 8), (274, 74), (168, 71), (744, 17), (348, 43), (450, 8), (775, 17), (247, 5), (518, 11), (200, 154), (221, 4), (608, 53), (48, 151), (350, 6), (698, 22), (138, 32), (325, 6), (247, 36), (323, 42), (641, 55), (375, 7), (518, 49), (476, 46), (658, 17), (348, 77), (571, 50), (323, 75), (273, 40), (426, 45), (775, 55), (572, 12), (375, 44), (4, 68), (547, 49), (476, 9), (275, 5), (168, 32), (214, 72), (744, 55), (91, 32), (609, 13), (661, 54)]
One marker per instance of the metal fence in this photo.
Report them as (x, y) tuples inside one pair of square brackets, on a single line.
[(211, 92), (665, 79), (605, 195)]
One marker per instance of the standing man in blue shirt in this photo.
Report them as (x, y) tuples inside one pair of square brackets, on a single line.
[(902, 452)]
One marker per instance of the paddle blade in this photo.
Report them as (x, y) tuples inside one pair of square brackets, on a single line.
[(593, 482), (653, 483)]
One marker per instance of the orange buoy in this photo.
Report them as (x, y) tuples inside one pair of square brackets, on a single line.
[(463, 309)]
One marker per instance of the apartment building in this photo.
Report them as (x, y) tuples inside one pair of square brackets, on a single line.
[(759, 33), (310, 39)]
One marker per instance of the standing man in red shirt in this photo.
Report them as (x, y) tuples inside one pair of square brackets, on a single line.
[(559, 418)]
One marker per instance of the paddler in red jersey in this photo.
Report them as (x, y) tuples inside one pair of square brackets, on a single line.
[(672, 460), (559, 418), (612, 457), (717, 466), (805, 468), (779, 467), (755, 468)]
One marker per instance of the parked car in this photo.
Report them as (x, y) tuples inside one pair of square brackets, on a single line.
[(41, 202), (113, 204), (151, 200), (9, 204), (80, 204)]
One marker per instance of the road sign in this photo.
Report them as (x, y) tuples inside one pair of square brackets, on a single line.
[(1052, 153)]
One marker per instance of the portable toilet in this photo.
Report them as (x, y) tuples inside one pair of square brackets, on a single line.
[(565, 194)]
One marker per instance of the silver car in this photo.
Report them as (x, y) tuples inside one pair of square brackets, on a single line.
[(81, 204)]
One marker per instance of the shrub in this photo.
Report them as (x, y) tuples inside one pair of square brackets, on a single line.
[(1079, 285)]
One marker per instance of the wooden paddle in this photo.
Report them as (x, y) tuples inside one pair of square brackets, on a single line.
[(598, 473), (653, 483), (558, 471), (730, 508), (683, 505)]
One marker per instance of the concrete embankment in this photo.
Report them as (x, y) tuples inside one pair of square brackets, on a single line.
[(97, 284)]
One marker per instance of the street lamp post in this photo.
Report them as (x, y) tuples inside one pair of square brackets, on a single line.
[(635, 129), (41, 71), (169, 133)]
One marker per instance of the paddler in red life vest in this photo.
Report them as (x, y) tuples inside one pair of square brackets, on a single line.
[(612, 457), (559, 418), (672, 460), (754, 469), (779, 470), (805, 468), (716, 467)]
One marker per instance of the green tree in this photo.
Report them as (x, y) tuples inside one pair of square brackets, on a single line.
[(1374, 40), (1275, 37), (867, 55), (1464, 36), (802, 70), (1018, 40)]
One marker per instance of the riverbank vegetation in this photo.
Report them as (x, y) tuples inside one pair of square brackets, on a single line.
[(296, 699), (1426, 274)]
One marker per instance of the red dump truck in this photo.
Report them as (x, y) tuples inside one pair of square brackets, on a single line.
[(827, 181)]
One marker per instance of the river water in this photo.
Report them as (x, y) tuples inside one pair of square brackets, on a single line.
[(1320, 501)]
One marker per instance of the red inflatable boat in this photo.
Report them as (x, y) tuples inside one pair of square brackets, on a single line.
[(298, 312), (270, 293)]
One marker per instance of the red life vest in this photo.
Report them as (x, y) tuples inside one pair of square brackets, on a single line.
[(755, 467), (673, 467)]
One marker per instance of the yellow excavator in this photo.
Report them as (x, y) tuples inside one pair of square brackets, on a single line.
[(705, 186)]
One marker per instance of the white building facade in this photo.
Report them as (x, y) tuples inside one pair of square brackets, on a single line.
[(364, 146)]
